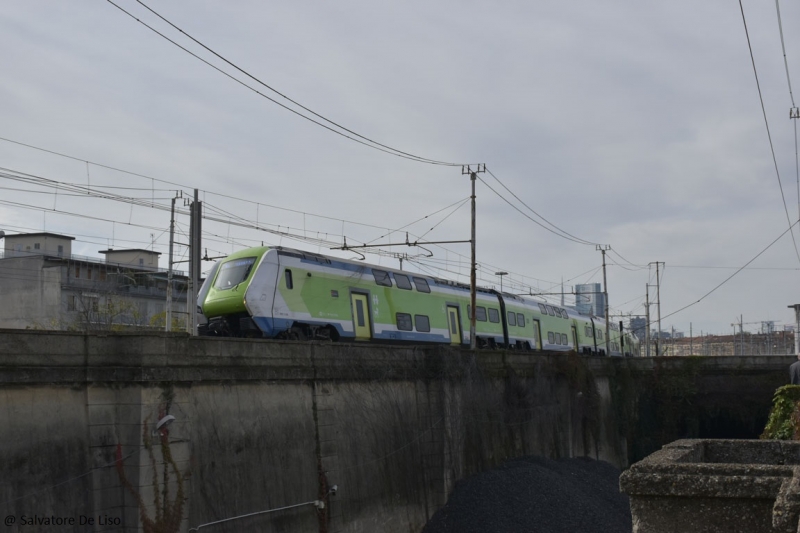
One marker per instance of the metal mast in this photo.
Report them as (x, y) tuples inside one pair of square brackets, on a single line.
[(473, 341), (603, 249), (168, 326)]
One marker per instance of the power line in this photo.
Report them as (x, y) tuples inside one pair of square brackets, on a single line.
[(366, 142), (583, 241), (783, 47), (733, 268), (769, 135), (732, 275), (569, 238), (794, 113), (391, 231), (186, 187), (252, 225)]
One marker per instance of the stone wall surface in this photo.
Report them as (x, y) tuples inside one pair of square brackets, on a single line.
[(716, 486), (265, 425)]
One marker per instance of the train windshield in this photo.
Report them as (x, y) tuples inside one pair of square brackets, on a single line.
[(233, 273)]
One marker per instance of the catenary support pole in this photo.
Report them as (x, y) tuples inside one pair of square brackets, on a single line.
[(603, 249), (647, 319), (195, 227), (658, 308), (168, 326), (473, 344)]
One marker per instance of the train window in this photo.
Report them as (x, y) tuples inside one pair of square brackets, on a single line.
[(551, 338), (521, 320), (402, 282), (382, 277), (404, 322), (360, 312), (550, 310), (234, 272), (494, 315), (564, 314), (512, 318), (587, 331), (287, 275), (543, 309), (599, 334), (480, 314), (421, 284), (564, 340), (423, 323)]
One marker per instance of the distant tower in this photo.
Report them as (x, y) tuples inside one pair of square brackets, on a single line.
[(589, 299)]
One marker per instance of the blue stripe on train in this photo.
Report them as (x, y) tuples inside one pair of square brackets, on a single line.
[(272, 327)]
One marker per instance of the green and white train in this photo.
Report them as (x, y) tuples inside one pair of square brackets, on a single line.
[(277, 292)]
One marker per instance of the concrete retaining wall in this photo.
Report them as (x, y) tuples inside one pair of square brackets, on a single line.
[(263, 425)]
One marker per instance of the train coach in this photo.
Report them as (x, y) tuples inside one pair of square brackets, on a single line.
[(276, 292)]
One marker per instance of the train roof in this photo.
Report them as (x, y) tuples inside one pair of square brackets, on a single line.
[(324, 259)]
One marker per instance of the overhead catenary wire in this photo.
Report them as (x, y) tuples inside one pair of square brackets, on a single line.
[(732, 275), (186, 188), (576, 239), (783, 48), (355, 137), (554, 232), (794, 113), (769, 135)]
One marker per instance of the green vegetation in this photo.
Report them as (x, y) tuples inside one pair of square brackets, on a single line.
[(784, 418)]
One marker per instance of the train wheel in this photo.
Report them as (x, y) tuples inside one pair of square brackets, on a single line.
[(297, 334)]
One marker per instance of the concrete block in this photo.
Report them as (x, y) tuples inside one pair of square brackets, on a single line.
[(713, 486)]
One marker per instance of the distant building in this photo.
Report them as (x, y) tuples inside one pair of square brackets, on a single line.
[(638, 327), (43, 285), (590, 300)]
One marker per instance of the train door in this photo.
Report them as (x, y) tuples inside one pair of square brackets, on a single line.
[(574, 338), (454, 324), (361, 315), (537, 332)]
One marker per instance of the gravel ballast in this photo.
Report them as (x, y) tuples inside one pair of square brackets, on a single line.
[(537, 495)]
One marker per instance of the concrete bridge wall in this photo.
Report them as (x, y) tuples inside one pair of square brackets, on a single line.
[(263, 425)]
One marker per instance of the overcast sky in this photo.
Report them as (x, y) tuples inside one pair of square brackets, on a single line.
[(636, 125)]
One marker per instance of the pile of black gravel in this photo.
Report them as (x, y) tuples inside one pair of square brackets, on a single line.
[(537, 495)]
